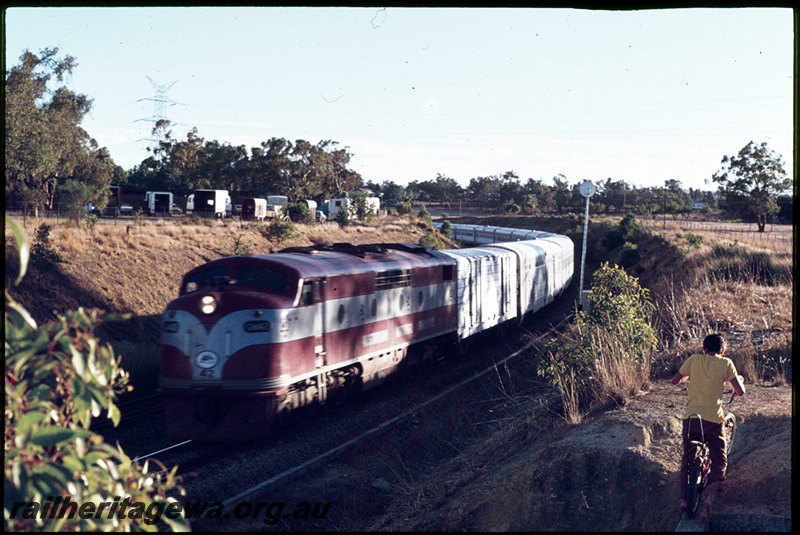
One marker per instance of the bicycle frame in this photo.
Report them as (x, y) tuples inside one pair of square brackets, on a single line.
[(702, 460)]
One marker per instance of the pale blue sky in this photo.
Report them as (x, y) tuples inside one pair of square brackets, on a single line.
[(641, 96)]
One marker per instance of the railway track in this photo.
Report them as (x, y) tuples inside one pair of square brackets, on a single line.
[(300, 451), (131, 410)]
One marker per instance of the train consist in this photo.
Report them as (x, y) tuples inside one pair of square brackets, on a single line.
[(251, 338)]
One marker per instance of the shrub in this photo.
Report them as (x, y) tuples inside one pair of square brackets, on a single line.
[(629, 255), (606, 353), (279, 230), (300, 213), (629, 228), (736, 263), (43, 256), (343, 218), (58, 376), (511, 208), (612, 239), (241, 245), (447, 229), (424, 214), (404, 208), (91, 220), (432, 240)]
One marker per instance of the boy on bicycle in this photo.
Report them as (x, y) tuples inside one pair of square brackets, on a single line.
[(708, 372)]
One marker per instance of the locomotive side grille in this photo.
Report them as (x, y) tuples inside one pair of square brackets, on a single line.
[(393, 278)]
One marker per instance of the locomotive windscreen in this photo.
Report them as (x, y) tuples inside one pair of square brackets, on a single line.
[(254, 277)]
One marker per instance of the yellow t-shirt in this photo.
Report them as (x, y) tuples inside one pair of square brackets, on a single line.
[(707, 376)]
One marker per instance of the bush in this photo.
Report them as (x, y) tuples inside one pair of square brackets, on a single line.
[(511, 208), (629, 228), (404, 208), (43, 256), (279, 230), (58, 376), (606, 353), (612, 239), (736, 263), (343, 218), (629, 255), (447, 229), (300, 213), (432, 240), (424, 214)]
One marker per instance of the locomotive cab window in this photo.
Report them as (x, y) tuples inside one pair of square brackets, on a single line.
[(210, 279), (265, 279), (307, 296)]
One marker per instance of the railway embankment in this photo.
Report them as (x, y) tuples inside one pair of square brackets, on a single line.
[(467, 465)]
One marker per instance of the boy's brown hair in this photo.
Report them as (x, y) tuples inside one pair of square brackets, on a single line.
[(714, 343)]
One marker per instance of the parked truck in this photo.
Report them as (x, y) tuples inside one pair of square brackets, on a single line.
[(254, 208), (276, 206), (159, 203), (332, 207), (210, 203)]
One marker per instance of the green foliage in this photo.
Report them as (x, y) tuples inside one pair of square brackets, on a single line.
[(629, 228), (45, 146), (694, 240), (43, 256), (424, 214), (404, 207), (447, 229), (241, 245), (57, 377), (612, 239), (629, 255), (300, 213), (342, 217), (607, 350), (279, 230), (511, 208), (137, 216), (91, 220), (432, 240), (734, 262), (750, 181)]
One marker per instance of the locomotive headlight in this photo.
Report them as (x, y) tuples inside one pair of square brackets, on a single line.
[(257, 326), (208, 304)]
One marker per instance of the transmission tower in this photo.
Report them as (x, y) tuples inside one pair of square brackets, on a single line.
[(160, 101)]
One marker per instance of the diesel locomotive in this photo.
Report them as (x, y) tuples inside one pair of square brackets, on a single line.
[(252, 338)]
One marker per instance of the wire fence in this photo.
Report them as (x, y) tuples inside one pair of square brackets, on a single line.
[(739, 231)]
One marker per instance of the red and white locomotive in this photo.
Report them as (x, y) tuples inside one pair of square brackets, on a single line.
[(252, 337)]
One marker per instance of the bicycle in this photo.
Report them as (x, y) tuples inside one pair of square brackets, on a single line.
[(700, 466)]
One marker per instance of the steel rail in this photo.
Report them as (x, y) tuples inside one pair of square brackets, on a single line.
[(379, 428)]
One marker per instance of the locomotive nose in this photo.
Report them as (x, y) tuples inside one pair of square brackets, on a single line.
[(209, 408)]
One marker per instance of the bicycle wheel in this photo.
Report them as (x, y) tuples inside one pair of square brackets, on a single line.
[(729, 430), (694, 490)]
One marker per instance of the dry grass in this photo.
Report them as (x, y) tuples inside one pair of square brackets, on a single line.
[(741, 288)]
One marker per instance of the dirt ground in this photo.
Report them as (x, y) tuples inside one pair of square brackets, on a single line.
[(616, 471)]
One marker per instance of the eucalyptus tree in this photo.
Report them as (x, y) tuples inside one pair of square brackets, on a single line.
[(750, 182), (44, 141)]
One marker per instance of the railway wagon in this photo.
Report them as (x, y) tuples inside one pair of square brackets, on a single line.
[(252, 338)]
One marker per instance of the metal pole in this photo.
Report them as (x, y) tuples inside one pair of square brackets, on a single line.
[(583, 255)]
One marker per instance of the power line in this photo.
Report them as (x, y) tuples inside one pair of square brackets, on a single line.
[(160, 101)]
